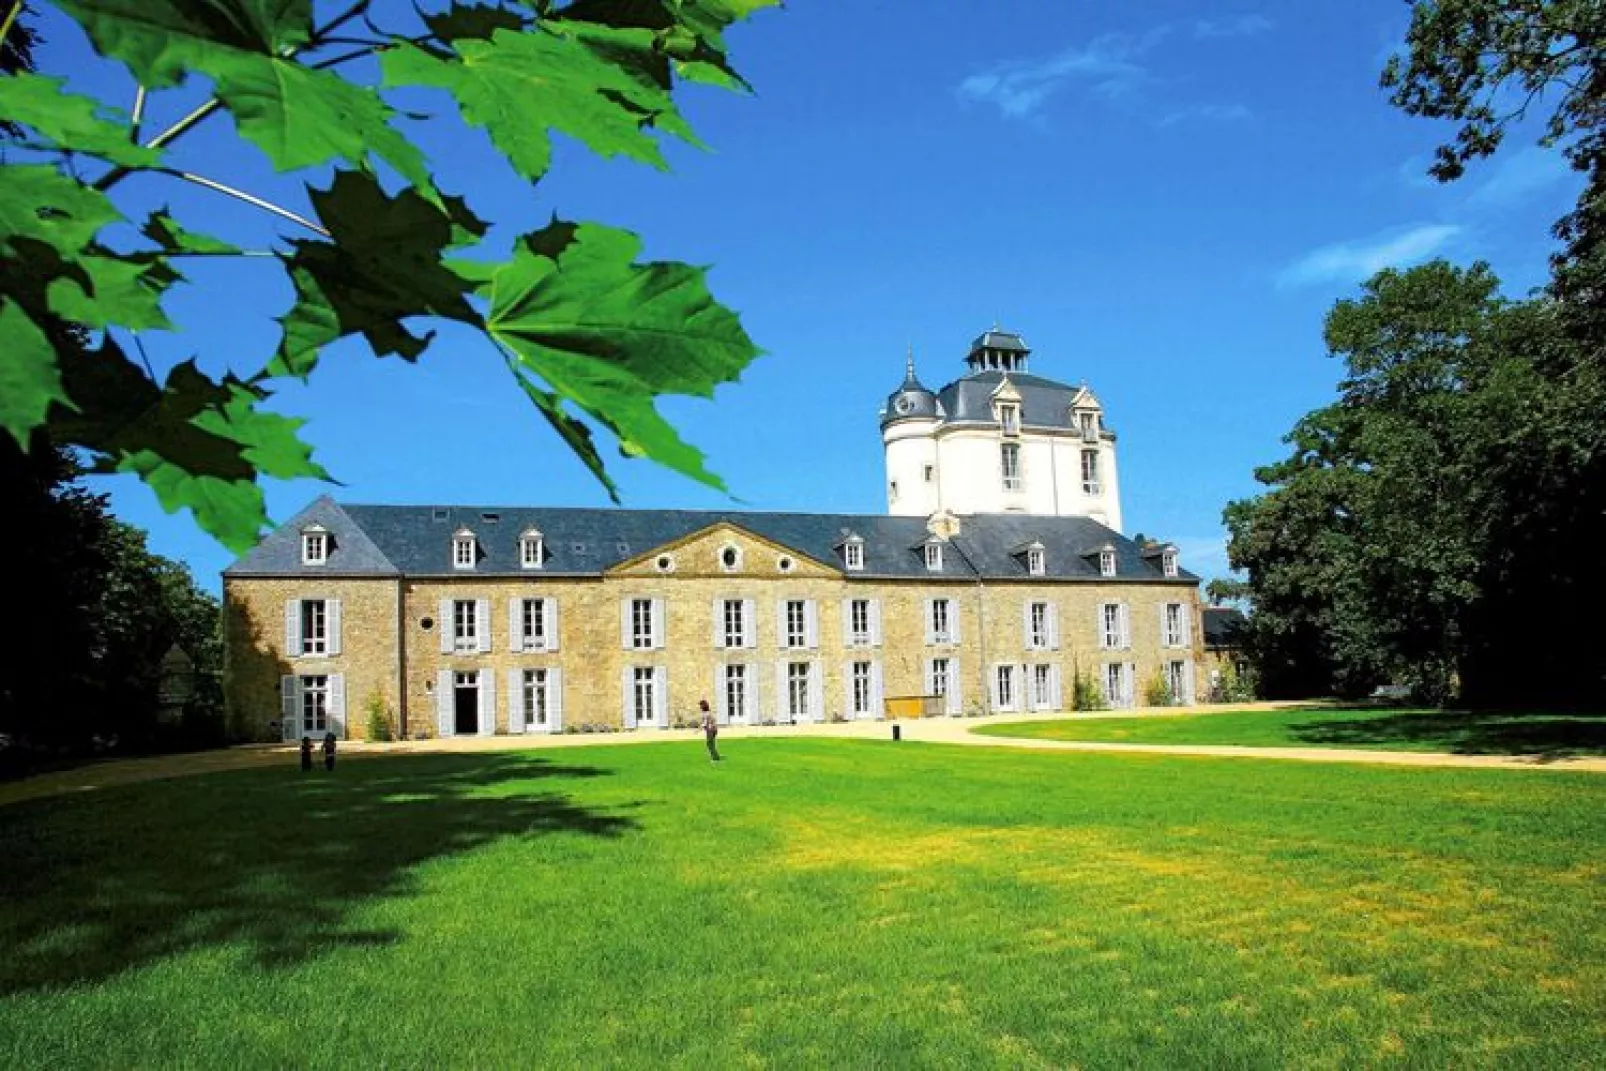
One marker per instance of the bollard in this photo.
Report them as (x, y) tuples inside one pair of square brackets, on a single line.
[(897, 731)]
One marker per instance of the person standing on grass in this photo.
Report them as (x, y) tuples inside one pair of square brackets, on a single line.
[(329, 751), (710, 730)]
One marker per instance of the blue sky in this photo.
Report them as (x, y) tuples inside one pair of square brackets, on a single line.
[(1164, 198)]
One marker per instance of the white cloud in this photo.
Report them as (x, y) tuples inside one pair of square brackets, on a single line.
[(1204, 556), (1210, 113), (1519, 175), (1018, 89), (1231, 26), (1349, 262)]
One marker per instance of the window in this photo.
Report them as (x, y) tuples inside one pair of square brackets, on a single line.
[(537, 699), (785, 564), (1113, 633), (531, 550), (1039, 629), (1107, 562), (1176, 678), (314, 547), (643, 634), (1034, 561), (1005, 683), (934, 557), (644, 694), (853, 554), (1116, 691), (533, 625), (1043, 689), (465, 626), (1168, 562), (314, 627), (734, 619), (1090, 472), (930, 472), (314, 705), (892, 490), (797, 623), (863, 692), (797, 690), (1088, 424), (1173, 626), (464, 550), (730, 558), (1009, 418), (665, 563), (942, 621), (1010, 459), (735, 693), (859, 628), (939, 678)]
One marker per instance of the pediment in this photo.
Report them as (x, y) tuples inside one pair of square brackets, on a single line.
[(703, 554)]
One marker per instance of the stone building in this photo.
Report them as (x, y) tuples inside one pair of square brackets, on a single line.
[(480, 620)]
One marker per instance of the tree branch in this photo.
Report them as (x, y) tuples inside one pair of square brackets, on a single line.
[(138, 114), (11, 19), (241, 195)]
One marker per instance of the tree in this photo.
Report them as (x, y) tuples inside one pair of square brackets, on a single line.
[(580, 325)]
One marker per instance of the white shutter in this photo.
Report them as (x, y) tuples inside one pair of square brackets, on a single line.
[(554, 700), (292, 628), (446, 624), (1184, 626), (660, 637), (1131, 684), (482, 626), (332, 624), (516, 714), (1103, 633), (1187, 684), (953, 621), (956, 687), (816, 693), (847, 623), (554, 627), (487, 690), (289, 708), (931, 677), (1026, 624), (722, 706), (445, 711), (1165, 635), (877, 689), (515, 626), (931, 633), (624, 622), (1056, 688), (627, 681), (660, 694), (755, 693), (811, 624), (1054, 628), (749, 624), (1126, 627), (716, 614), (875, 622), (337, 705), (783, 705), (780, 624)]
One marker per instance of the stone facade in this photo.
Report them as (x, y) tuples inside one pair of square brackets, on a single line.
[(690, 580)]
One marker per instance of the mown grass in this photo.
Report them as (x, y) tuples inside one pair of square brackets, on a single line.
[(810, 903), (1459, 732)]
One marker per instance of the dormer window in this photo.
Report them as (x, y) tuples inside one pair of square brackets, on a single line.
[(1107, 561), (1009, 419), (934, 557), (465, 549), (1168, 561), (314, 545), (532, 549), (1034, 561), (853, 553), (1088, 424)]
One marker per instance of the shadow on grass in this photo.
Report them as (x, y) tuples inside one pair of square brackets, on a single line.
[(1547, 736), (271, 862)]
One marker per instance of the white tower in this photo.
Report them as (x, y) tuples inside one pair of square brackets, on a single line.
[(999, 440)]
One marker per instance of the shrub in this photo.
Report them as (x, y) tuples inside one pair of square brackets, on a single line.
[(379, 729), (1157, 691), (1085, 694), (1238, 685)]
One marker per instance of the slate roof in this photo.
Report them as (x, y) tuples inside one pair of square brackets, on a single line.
[(999, 340), (1044, 403), (1223, 626), (417, 541)]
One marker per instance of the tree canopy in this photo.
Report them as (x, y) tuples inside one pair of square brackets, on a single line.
[(588, 332)]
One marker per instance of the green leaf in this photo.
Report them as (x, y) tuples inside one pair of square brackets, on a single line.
[(298, 116), (611, 335), (472, 20), (121, 292), (40, 203), (520, 86), (174, 239), (571, 431), (29, 379), (381, 265), (690, 32), (71, 122)]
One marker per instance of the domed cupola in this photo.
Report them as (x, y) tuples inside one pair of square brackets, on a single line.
[(911, 401)]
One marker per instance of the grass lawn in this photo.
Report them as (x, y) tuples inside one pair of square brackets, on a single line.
[(809, 903), (1461, 732)]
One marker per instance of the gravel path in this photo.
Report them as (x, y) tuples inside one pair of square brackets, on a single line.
[(935, 731)]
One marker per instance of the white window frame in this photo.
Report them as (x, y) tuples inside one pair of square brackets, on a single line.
[(1039, 625), (1115, 626), (736, 681), (1117, 685), (1172, 625), (1009, 464), (737, 632), (534, 629), (465, 626), (465, 550), (644, 681), (532, 547), (795, 630), (861, 688), (1176, 677), (1087, 423), (799, 700), (643, 625), (1106, 562), (1042, 682), (1168, 562), (853, 554), (1091, 484), (1009, 418), (1004, 691), (941, 682), (315, 547), (934, 557), (942, 623), (1035, 561), (537, 700), (315, 628), (860, 636), (313, 707)]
